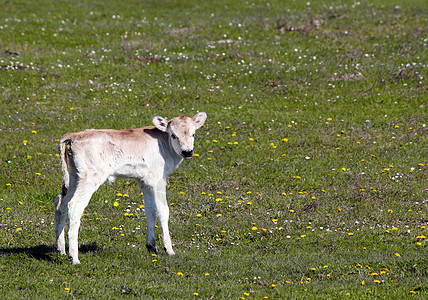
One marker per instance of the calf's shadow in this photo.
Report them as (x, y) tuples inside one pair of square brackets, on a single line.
[(43, 252)]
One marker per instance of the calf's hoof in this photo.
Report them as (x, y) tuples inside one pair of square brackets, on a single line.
[(152, 249), (169, 252), (74, 261)]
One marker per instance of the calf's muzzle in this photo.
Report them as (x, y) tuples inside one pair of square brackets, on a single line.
[(187, 153)]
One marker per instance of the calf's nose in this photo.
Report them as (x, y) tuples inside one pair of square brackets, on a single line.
[(187, 153)]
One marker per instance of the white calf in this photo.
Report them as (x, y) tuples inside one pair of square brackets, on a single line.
[(147, 154)]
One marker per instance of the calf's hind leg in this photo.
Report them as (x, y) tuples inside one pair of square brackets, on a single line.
[(60, 218), (76, 207)]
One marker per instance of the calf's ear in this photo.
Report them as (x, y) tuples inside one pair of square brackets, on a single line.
[(160, 123), (199, 119)]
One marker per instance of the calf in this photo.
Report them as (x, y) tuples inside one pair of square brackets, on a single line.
[(147, 155)]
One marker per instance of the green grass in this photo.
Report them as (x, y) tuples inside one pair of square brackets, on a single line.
[(310, 179)]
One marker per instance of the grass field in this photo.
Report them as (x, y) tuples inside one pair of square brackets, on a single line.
[(310, 175)]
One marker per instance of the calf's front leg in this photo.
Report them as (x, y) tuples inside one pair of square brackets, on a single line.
[(156, 206), (150, 209), (163, 215)]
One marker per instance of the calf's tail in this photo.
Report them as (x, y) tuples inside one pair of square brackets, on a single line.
[(64, 148)]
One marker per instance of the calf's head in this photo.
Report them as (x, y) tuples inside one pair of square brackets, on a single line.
[(181, 132)]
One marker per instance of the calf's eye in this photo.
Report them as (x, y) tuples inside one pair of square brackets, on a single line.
[(174, 136)]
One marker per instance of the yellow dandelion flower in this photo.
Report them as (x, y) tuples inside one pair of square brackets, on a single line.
[(67, 289), (397, 254), (180, 274), (19, 229), (254, 228), (116, 203), (218, 215)]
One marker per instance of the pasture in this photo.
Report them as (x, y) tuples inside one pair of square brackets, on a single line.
[(309, 179)]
